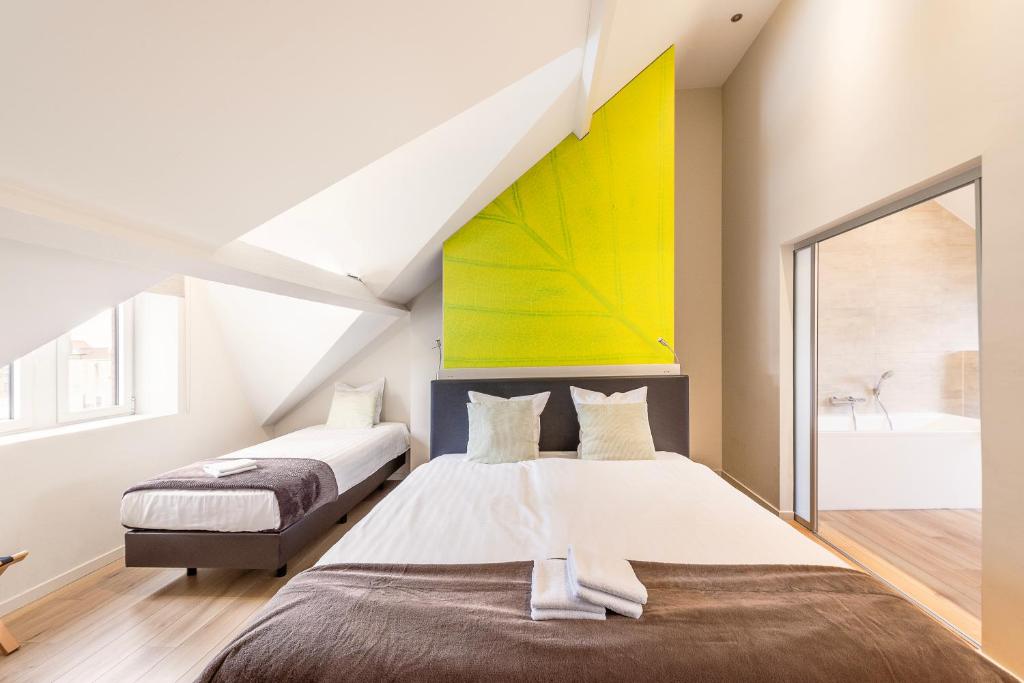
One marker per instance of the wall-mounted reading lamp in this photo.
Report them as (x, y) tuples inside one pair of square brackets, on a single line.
[(440, 358), (661, 340)]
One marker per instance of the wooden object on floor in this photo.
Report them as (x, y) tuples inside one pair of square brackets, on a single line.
[(147, 624), (934, 556), (8, 643)]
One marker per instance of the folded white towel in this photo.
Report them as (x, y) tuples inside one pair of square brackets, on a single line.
[(553, 614), (607, 575), (218, 475), (226, 467), (231, 463), (550, 597), (605, 581), (227, 473), (612, 602)]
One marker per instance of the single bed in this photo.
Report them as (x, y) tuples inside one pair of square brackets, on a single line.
[(434, 583), (243, 528)]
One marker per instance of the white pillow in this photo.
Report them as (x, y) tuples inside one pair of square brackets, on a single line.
[(615, 431), (538, 401), (582, 396), (500, 432), (587, 396), (377, 387), (352, 409)]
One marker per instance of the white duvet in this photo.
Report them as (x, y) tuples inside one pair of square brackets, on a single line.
[(353, 455), (450, 511)]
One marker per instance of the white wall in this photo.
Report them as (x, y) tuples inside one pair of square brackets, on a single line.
[(404, 355), (61, 494), (900, 294), (158, 352), (275, 341), (699, 265), (837, 108)]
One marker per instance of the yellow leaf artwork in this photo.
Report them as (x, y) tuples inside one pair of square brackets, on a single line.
[(574, 263)]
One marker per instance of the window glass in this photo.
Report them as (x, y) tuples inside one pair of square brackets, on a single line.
[(92, 363), (803, 383), (5, 393)]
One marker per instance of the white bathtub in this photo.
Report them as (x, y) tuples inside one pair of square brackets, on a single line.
[(930, 460)]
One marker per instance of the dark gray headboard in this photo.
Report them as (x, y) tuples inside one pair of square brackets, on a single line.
[(668, 401)]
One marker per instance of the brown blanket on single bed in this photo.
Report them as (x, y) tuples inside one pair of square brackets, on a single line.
[(299, 484), (702, 623)]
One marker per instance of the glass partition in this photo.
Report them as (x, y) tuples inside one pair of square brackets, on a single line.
[(803, 385)]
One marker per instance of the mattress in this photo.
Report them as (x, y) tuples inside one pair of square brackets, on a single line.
[(671, 509), (352, 454)]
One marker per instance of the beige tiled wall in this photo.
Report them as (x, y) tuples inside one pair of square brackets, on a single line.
[(900, 294)]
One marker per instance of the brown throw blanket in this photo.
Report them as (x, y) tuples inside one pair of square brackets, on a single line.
[(299, 484), (701, 623)]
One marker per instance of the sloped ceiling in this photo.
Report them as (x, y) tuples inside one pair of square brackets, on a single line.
[(41, 289), (207, 119), (407, 194), (279, 146)]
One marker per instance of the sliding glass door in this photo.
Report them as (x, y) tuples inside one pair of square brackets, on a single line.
[(887, 446)]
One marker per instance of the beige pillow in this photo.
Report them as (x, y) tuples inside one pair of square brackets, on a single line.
[(377, 387), (615, 431), (352, 409), (501, 432), (537, 400), (638, 395)]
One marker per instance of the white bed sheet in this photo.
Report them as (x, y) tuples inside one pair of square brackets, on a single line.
[(353, 455), (669, 510)]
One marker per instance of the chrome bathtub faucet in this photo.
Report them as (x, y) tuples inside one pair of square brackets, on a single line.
[(851, 401)]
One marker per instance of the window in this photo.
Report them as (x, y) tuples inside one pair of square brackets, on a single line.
[(7, 393), (90, 372), (94, 363), (13, 407)]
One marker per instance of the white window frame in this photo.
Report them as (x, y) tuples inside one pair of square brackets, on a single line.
[(21, 406), (12, 378), (124, 359), (41, 378)]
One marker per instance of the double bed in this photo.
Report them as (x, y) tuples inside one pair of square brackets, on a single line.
[(434, 583), (666, 510)]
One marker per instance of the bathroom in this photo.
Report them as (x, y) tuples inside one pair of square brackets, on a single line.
[(898, 439)]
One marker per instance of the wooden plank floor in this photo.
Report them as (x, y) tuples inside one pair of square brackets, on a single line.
[(934, 556), (129, 624)]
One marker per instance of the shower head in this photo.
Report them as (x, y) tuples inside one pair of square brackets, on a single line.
[(878, 386)]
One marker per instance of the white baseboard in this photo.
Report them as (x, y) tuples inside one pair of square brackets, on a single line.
[(46, 587), (743, 488)]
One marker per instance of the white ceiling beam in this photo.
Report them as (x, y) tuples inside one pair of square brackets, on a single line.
[(32, 219), (594, 50)]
